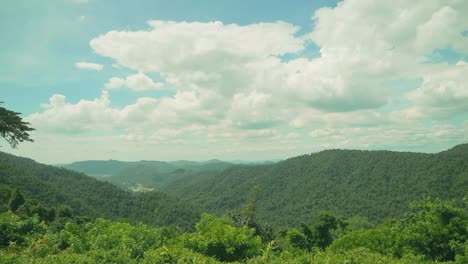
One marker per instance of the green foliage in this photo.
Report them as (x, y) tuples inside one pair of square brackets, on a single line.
[(12, 127), (17, 231), (219, 238), (436, 230), (297, 239), (373, 185), (381, 240), (54, 187), (54, 221), (176, 255), (150, 174), (247, 216), (17, 199), (318, 235), (105, 235), (32, 207), (355, 256), (5, 194)]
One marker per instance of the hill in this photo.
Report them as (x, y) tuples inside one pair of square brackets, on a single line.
[(372, 185), (144, 175), (367, 186), (87, 196)]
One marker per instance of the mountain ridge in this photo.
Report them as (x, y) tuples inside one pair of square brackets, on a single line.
[(373, 184), (87, 196)]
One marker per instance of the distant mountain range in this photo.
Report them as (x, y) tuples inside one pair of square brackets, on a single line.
[(373, 185), (367, 185)]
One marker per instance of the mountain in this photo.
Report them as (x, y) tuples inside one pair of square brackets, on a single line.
[(372, 185), (87, 196), (144, 175), (369, 186), (105, 168)]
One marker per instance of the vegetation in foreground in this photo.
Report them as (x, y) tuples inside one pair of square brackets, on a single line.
[(434, 231)]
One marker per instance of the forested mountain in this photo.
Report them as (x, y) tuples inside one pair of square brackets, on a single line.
[(354, 184), (105, 168), (366, 185), (148, 174), (371, 185), (55, 187)]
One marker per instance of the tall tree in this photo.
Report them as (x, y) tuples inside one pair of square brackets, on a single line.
[(16, 201), (12, 127)]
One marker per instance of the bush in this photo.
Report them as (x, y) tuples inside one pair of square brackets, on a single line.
[(219, 238)]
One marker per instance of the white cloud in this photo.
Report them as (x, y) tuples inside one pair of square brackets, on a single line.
[(136, 82), (402, 136), (443, 92), (363, 45), (400, 26), (61, 116), (88, 66), (171, 46), (232, 88)]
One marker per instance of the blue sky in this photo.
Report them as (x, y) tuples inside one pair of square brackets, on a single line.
[(59, 33), (247, 80)]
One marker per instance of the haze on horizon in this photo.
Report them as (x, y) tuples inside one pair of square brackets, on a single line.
[(152, 80)]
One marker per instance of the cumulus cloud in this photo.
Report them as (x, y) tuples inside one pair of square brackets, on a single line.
[(402, 27), (60, 116), (144, 114), (443, 93), (232, 82), (136, 82), (88, 66), (363, 44), (182, 46)]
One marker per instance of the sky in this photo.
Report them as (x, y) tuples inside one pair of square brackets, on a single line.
[(233, 80)]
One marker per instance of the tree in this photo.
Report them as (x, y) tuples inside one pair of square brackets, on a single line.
[(218, 237), (436, 229), (317, 235), (12, 127), (16, 201)]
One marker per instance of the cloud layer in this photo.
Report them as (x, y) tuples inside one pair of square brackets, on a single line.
[(237, 85)]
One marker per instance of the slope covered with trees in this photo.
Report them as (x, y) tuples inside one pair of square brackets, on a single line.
[(434, 232), (86, 196), (367, 185), (148, 174)]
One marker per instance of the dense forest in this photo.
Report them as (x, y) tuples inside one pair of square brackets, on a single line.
[(335, 206), (150, 174), (365, 185), (86, 196), (434, 231)]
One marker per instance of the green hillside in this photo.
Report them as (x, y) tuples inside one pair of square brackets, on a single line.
[(352, 183), (106, 168), (87, 196), (147, 174)]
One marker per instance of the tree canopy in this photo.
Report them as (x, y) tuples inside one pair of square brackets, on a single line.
[(12, 127)]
